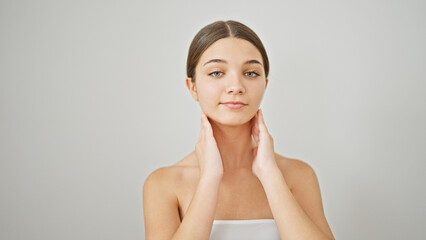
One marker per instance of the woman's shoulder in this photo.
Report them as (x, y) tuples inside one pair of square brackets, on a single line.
[(182, 169), (290, 164), (292, 169)]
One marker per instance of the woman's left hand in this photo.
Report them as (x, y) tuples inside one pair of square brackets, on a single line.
[(264, 155)]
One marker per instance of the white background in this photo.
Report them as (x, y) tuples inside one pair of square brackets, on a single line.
[(93, 99)]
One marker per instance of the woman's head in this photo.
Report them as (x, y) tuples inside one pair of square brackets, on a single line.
[(227, 62), (216, 31)]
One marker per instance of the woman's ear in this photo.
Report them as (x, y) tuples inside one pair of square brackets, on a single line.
[(266, 83), (192, 88)]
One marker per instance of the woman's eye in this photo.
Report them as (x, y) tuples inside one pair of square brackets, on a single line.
[(213, 73), (255, 74), (218, 74)]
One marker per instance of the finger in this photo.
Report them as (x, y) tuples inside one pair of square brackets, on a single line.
[(256, 126), (256, 138), (262, 125), (255, 130), (207, 126), (255, 151), (204, 121), (200, 137), (253, 121), (253, 124)]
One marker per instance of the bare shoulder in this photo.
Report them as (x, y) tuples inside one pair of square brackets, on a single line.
[(169, 176), (293, 169), (162, 175), (291, 165), (160, 185)]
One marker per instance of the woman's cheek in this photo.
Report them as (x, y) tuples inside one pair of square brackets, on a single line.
[(207, 103), (211, 95)]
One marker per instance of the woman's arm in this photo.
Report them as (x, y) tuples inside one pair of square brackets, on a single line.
[(291, 219), (198, 220), (162, 219), (160, 205), (161, 208)]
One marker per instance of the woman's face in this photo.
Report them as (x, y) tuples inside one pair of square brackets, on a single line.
[(236, 74)]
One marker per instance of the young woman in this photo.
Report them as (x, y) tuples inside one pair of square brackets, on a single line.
[(233, 185)]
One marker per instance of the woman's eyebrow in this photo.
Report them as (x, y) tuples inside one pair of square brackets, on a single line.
[(224, 61)]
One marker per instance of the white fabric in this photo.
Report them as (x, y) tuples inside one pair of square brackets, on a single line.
[(252, 229)]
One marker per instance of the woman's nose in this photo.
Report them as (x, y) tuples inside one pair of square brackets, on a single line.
[(235, 86)]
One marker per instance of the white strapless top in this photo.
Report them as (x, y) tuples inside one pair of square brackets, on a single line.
[(251, 229)]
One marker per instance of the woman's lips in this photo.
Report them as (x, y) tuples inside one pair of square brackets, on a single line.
[(234, 105)]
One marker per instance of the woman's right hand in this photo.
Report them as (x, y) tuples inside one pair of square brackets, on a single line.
[(209, 159)]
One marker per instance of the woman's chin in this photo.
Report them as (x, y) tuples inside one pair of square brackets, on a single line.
[(232, 122)]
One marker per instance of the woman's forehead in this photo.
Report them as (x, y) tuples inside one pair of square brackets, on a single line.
[(230, 50)]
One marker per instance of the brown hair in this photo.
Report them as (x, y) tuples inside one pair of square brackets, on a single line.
[(218, 30)]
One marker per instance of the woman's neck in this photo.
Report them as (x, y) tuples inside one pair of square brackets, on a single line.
[(235, 145)]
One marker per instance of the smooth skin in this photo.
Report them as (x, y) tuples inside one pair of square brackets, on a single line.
[(234, 172)]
